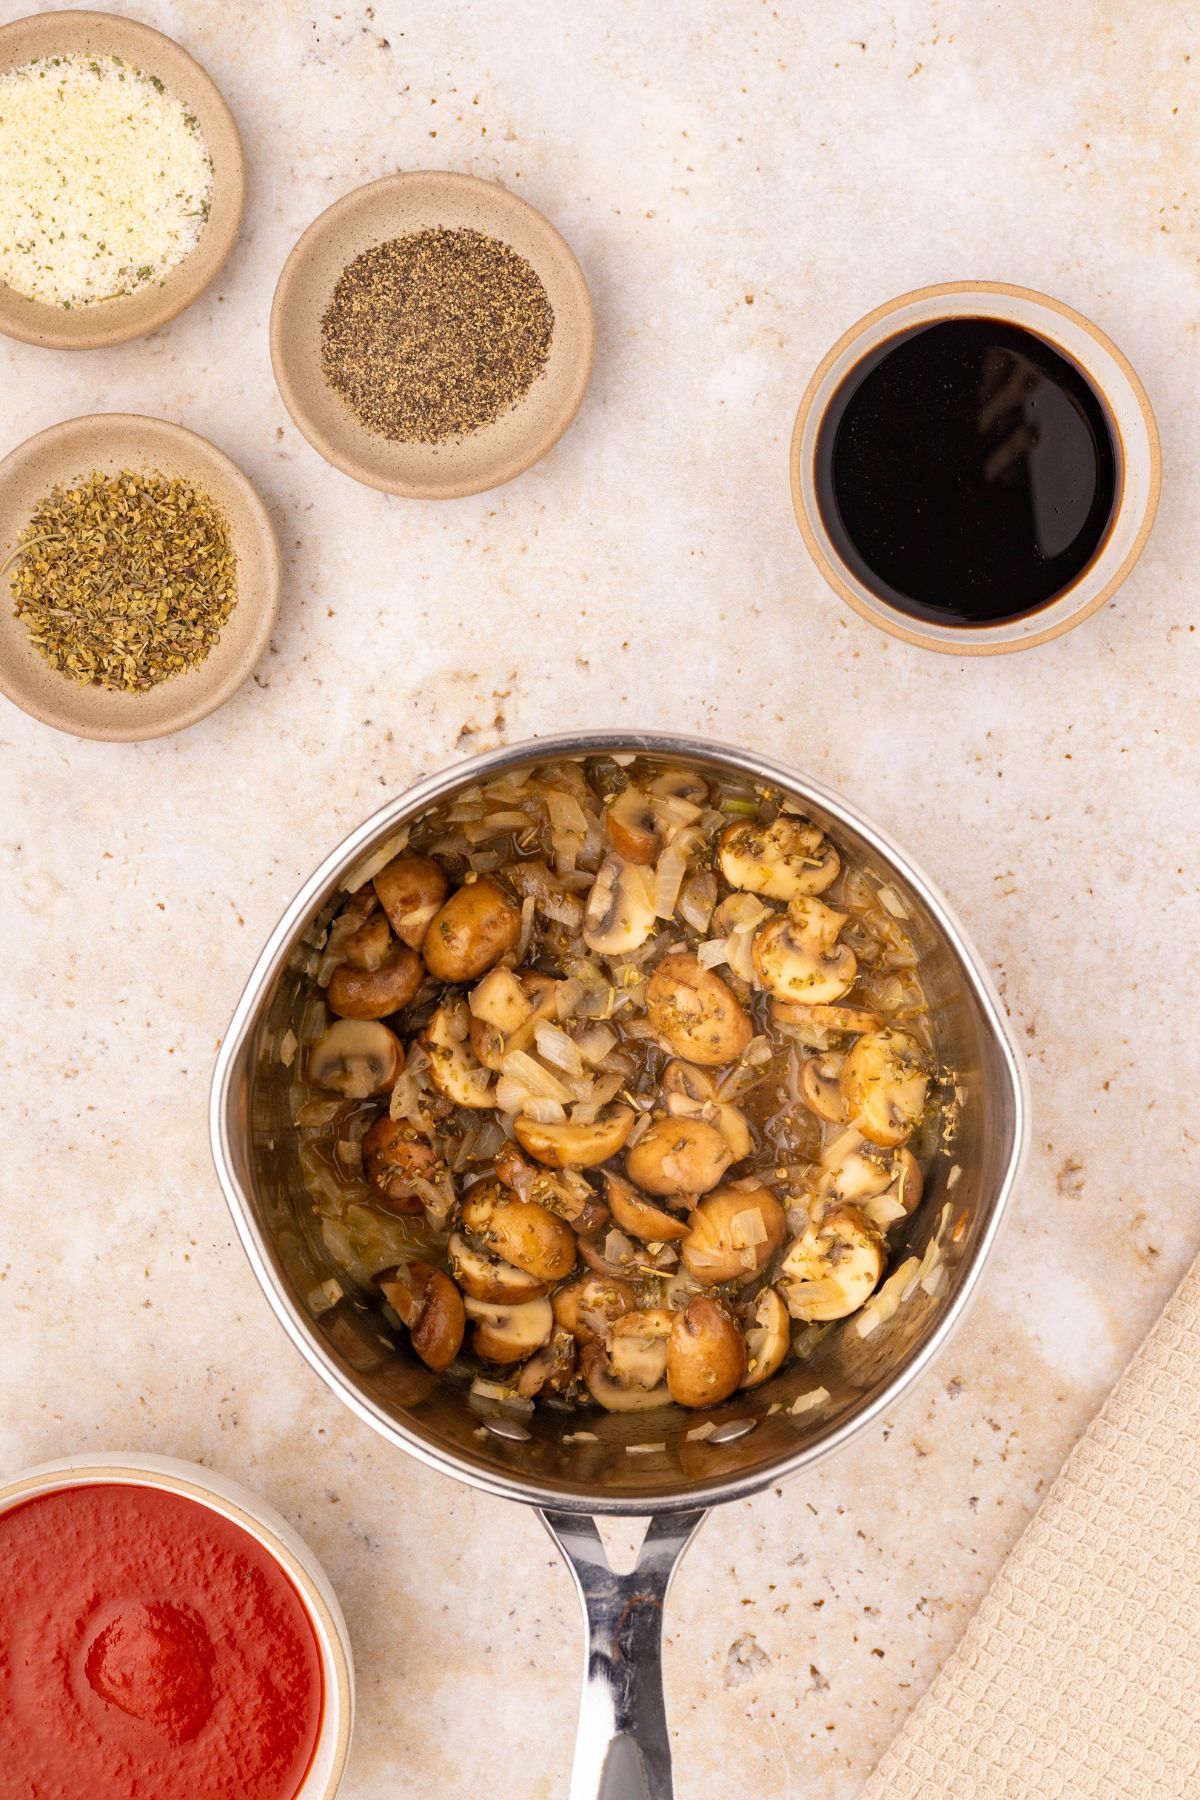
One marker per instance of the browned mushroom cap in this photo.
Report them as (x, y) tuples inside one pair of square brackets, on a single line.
[(551, 1369), (695, 1012), (474, 928), (508, 1334), (886, 1084), (768, 1337), (706, 1355), (393, 1153), (356, 993), (487, 1277), (635, 1215), (733, 1235), (821, 1088), (780, 860), (678, 1156), (610, 1391), (432, 1308), (798, 957), (367, 948), (571, 1146), (632, 828), (519, 1232), (410, 891), (357, 1058), (587, 1306)]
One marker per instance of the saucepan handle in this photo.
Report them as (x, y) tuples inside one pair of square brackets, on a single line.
[(623, 1751)]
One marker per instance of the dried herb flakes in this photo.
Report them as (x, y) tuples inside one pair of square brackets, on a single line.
[(124, 580), (433, 335)]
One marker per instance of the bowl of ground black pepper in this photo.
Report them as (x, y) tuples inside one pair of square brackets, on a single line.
[(121, 179), (139, 577), (432, 335)]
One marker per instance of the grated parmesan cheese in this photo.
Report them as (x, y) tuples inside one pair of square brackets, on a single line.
[(105, 180)]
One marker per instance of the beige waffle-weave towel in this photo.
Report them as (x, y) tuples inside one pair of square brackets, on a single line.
[(1080, 1674)]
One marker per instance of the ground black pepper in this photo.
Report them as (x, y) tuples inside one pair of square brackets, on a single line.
[(433, 335)]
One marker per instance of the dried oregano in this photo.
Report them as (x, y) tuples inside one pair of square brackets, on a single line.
[(123, 580)]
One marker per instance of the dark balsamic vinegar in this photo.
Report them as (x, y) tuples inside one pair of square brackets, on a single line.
[(967, 472)]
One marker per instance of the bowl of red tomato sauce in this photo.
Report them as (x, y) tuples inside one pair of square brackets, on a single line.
[(164, 1635)]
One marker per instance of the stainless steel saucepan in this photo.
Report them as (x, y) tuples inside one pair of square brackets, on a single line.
[(623, 1750)]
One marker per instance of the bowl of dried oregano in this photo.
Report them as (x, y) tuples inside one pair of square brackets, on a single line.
[(139, 577)]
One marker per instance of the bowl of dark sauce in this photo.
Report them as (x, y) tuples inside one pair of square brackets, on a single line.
[(975, 467)]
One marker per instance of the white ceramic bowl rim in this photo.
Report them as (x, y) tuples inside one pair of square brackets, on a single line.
[(1129, 408), (236, 1503)]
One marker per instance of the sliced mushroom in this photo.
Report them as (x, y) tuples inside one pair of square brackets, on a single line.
[(519, 1232), (506, 1007), (692, 1093), (620, 911), (637, 1346), (833, 1267), (587, 1306), (410, 890), (695, 1012), (681, 784), (508, 1334), (357, 1058), (886, 1085), (768, 1336), (612, 1392), (678, 1156), (392, 1154), (733, 1234), (632, 827), (368, 947), (821, 1088), (432, 1308), (569, 1146), (780, 860), (798, 957), (565, 1192), (454, 1069), (865, 1174), (359, 993), (815, 1025), (635, 1215), (552, 1367), (706, 1355), (487, 1277), (471, 931)]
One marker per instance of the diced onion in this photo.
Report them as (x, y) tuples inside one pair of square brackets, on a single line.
[(747, 1229), (701, 1432), (527, 911), (697, 898), (712, 952), (289, 1043), (557, 1048), (618, 1248), (518, 1065), (668, 875), (809, 1402), (369, 867)]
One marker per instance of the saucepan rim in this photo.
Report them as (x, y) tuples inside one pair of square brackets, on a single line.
[(414, 800)]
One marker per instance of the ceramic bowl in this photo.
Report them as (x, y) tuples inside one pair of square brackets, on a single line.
[(110, 442), (276, 1536), (132, 316), (391, 208), (1110, 373)]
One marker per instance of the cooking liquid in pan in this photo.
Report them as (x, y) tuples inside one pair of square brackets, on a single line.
[(967, 472)]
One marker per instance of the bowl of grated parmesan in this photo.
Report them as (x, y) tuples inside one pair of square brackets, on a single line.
[(121, 180)]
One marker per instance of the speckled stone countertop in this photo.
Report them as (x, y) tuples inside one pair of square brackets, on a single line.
[(740, 183)]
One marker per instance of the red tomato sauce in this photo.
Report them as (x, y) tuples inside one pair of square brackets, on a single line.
[(149, 1650)]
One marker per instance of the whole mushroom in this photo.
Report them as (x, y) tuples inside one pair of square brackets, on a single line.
[(410, 890), (706, 1354), (520, 1232), (475, 927), (733, 1234), (392, 1153), (361, 993), (678, 1156)]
